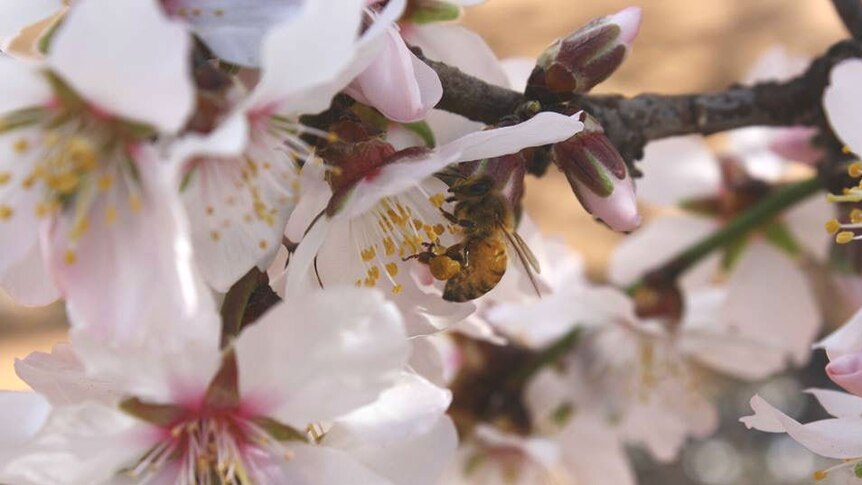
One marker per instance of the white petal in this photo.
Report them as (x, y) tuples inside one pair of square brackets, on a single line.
[(593, 454), (291, 64), (776, 64), (659, 241), (321, 465), (80, 445), (139, 49), (677, 169), (843, 105), (314, 195), (238, 206), (448, 127), (233, 29), (770, 301), (16, 15), (518, 71), (837, 403), (832, 438), (343, 342), (418, 460), (805, 222), (23, 86), (60, 377), (845, 340), (22, 414), (408, 409), (459, 47), (28, 282), (131, 289)]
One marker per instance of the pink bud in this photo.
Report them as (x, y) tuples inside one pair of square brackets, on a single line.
[(599, 177), (397, 83), (795, 144), (575, 64), (846, 371)]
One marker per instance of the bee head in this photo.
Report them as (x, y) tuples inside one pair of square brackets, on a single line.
[(472, 186)]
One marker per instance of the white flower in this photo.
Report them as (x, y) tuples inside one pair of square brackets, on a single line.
[(384, 214), (243, 178), (267, 416), (842, 103)]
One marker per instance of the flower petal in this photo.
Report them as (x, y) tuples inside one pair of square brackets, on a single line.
[(459, 47), (677, 169), (60, 377), (837, 403), (323, 465), (845, 340), (805, 221), (28, 281), (15, 16), (233, 29), (139, 49), (23, 86), (344, 342), (846, 371), (23, 414), (843, 105), (832, 438)]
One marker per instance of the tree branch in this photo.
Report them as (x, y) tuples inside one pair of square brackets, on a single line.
[(632, 122), (850, 12)]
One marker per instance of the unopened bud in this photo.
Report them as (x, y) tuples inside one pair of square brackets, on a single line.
[(577, 63), (598, 176)]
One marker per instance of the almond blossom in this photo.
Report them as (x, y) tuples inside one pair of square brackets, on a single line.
[(376, 218), (259, 412)]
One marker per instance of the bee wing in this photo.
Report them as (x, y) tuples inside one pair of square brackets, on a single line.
[(525, 256)]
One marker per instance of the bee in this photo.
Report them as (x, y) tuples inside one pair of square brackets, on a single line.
[(475, 265)]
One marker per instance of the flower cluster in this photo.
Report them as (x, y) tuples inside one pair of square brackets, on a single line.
[(282, 264)]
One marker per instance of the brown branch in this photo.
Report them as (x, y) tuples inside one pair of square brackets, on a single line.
[(850, 12), (632, 122)]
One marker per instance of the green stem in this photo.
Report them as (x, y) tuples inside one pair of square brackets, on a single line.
[(762, 213)]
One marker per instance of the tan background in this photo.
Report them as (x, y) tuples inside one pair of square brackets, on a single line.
[(685, 45)]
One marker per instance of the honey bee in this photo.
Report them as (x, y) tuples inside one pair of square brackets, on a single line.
[(475, 265)]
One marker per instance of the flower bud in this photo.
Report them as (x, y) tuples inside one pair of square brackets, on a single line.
[(575, 64), (846, 371), (598, 176)]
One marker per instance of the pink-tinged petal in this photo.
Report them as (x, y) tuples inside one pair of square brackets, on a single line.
[(843, 105), (344, 342), (81, 444), (769, 300), (677, 169), (593, 454), (846, 371), (796, 144), (776, 64), (135, 301), (629, 22), (837, 403), (238, 203), (751, 146), (460, 47), (659, 241), (839, 438), (846, 340), (322, 465), (16, 15), (408, 409), (398, 83), (28, 281), (95, 56), (233, 29), (619, 210), (22, 414), (23, 86), (448, 127), (60, 377), (418, 460), (292, 65), (805, 221)]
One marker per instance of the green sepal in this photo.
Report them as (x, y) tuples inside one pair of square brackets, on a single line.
[(733, 252), (780, 236), (280, 431), (430, 11), (423, 131)]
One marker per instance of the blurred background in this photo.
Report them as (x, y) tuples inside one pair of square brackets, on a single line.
[(683, 46)]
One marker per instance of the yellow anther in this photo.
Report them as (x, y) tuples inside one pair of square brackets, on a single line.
[(105, 182), (392, 269), (110, 215), (844, 237), (6, 212), (846, 150), (833, 226), (856, 216), (437, 200), (855, 169), (215, 236), (820, 475), (368, 254), (373, 272), (397, 289), (5, 177), (262, 244), (389, 246), (21, 145), (135, 203), (70, 257), (82, 153), (210, 211), (80, 228)]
